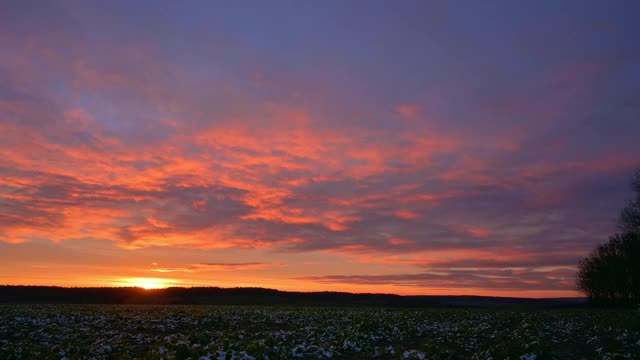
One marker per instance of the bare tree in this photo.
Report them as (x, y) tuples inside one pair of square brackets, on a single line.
[(630, 215)]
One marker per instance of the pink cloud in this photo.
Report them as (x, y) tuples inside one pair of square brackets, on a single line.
[(408, 110), (205, 267)]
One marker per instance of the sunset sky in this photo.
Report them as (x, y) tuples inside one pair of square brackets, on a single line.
[(409, 147)]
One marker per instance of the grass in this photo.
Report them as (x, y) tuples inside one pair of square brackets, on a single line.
[(229, 332)]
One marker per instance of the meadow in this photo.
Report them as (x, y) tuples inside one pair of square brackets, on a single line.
[(250, 332)]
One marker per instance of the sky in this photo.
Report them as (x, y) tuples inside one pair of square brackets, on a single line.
[(408, 147)]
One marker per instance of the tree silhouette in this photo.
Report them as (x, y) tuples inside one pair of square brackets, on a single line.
[(630, 215), (611, 273)]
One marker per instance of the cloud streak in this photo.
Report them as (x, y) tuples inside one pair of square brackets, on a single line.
[(217, 267), (514, 280)]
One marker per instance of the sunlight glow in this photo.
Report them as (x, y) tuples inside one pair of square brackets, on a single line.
[(148, 283)]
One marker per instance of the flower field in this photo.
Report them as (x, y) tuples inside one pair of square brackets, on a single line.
[(227, 332)]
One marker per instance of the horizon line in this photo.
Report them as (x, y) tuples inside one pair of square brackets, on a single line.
[(289, 291)]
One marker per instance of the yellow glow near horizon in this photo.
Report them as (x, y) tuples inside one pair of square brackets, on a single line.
[(148, 283)]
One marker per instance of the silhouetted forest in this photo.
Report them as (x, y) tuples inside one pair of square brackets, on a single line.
[(611, 273), (254, 296)]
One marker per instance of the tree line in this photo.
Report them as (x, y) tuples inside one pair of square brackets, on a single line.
[(10, 294), (611, 272)]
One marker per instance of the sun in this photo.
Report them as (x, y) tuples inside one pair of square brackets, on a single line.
[(148, 283)]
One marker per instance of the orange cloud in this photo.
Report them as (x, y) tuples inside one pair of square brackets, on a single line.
[(396, 241)]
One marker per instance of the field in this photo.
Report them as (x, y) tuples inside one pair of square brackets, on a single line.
[(228, 332)]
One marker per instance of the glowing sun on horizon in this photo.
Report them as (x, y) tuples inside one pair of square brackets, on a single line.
[(148, 283)]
